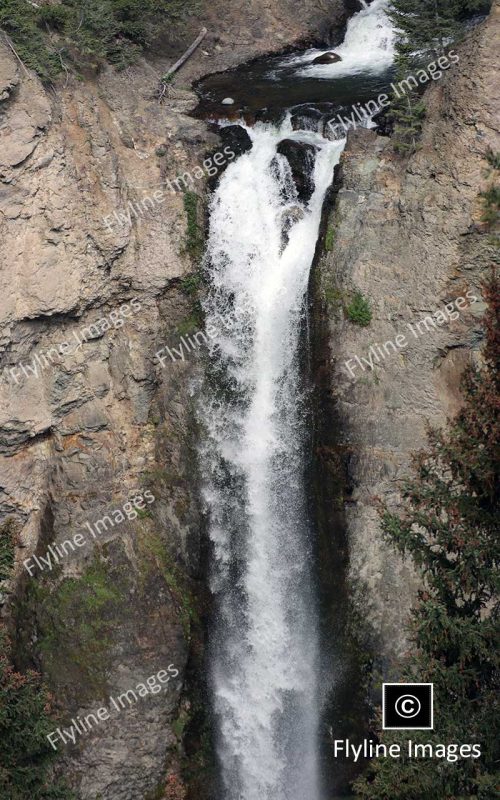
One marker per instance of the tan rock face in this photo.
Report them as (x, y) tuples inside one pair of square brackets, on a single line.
[(405, 235), (92, 267), (88, 416)]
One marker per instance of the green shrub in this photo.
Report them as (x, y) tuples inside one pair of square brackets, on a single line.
[(19, 20), (329, 238), (493, 158), (194, 234), (191, 284), (90, 31), (358, 310), (25, 752), (6, 549), (491, 205), (190, 324)]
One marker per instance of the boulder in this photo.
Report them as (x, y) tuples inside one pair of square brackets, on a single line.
[(307, 119), (237, 138), (228, 101), (289, 218), (301, 157), (327, 58)]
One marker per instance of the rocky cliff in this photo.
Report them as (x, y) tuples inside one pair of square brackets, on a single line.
[(98, 276), (408, 235), (89, 419)]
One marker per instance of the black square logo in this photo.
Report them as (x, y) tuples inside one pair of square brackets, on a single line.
[(407, 706)]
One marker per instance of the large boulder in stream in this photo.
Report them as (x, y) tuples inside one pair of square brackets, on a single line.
[(307, 119), (327, 58), (301, 157), (290, 216), (236, 138)]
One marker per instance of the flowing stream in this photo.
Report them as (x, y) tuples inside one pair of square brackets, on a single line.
[(264, 641)]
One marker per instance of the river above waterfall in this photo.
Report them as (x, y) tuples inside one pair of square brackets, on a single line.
[(267, 87)]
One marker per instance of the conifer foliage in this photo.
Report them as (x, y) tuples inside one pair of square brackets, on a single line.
[(25, 753), (422, 26), (450, 529)]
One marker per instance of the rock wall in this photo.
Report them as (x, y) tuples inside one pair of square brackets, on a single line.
[(89, 418), (408, 235), (97, 276)]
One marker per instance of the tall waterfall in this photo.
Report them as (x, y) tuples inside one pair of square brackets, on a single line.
[(264, 649)]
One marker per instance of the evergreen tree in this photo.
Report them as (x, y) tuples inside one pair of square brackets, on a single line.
[(450, 529), (421, 26), (25, 753), (407, 110), (425, 24)]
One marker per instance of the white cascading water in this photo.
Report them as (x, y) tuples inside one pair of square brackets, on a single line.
[(264, 643), (265, 646), (368, 46)]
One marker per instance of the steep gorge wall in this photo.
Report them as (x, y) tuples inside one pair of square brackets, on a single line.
[(103, 421), (408, 234)]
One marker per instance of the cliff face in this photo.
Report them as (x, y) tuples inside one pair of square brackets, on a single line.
[(89, 418), (98, 276), (409, 236)]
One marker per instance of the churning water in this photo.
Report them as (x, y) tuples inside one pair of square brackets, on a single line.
[(264, 643)]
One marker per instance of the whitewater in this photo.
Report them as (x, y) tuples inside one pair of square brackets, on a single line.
[(264, 650)]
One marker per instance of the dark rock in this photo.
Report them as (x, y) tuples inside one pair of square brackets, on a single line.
[(301, 157), (353, 6), (307, 119), (290, 217), (385, 125), (327, 58), (236, 138)]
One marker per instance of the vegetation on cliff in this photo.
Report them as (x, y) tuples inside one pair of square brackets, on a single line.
[(422, 26), (53, 38), (25, 753), (451, 531)]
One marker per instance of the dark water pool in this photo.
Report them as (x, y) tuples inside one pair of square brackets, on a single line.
[(267, 87)]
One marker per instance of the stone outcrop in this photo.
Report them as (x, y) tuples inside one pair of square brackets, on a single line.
[(89, 417), (408, 235), (327, 58), (301, 157)]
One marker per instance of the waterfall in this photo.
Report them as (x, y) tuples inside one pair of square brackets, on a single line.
[(264, 642), (368, 47)]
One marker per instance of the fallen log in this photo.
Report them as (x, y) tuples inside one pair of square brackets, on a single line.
[(186, 55)]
